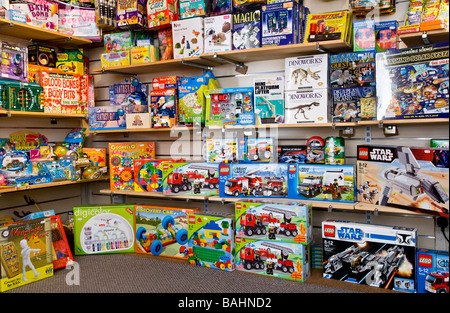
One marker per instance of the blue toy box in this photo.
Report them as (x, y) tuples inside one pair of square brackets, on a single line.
[(432, 271), (247, 30), (280, 24)]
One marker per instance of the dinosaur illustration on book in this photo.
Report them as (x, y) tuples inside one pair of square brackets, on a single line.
[(302, 107), (301, 75)]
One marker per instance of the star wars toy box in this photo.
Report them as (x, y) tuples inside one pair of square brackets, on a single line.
[(373, 255), (328, 26), (307, 106), (218, 36), (269, 100), (221, 150), (413, 83), (102, 229), (211, 240), (256, 150), (131, 14), (160, 13), (40, 13), (188, 40), (322, 182), (407, 178), (292, 154), (247, 30), (286, 222), (25, 252), (432, 271), (163, 108), (306, 72), (273, 259)]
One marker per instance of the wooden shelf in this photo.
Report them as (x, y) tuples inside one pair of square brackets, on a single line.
[(53, 184), (421, 38), (140, 130), (152, 194), (9, 113), (405, 121)]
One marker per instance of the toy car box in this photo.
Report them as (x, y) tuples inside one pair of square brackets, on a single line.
[(247, 30), (211, 240), (432, 271), (321, 182), (218, 33), (131, 14), (404, 177), (279, 24), (374, 255), (307, 106), (292, 154), (286, 222), (188, 38), (163, 108), (40, 13), (260, 150), (221, 150), (306, 72), (328, 26), (274, 259), (269, 100)]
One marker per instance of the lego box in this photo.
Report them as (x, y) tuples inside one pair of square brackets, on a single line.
[(221, 150), (432, 271), (256, 150), (306, 72), (148, 175), (307, 106)]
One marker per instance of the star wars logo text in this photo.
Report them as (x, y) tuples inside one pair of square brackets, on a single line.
[(350, 233), (382, 155)]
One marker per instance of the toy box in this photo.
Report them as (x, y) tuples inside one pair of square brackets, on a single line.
[(218, 35), (70, 61), (138, 120), (219, 7), (279, 24), (328, 26), (221, 150), (165, 44), (292, 154), (211, 240), (229, 106), (413, 17), (14, 15), (130, 91), (322, 182), (148, 175), (256, 150), (162, 230), (246, 5), (116, 42), (403, 177), (114, 116), (374, 255), (286, 222), (121, 166), (439, 143), (432, 271), (306, 72), (307, 106), (189, 9), (274, 259), (364, 35), (253, 180), (96, 156), (144, 54), (104, 229), (62, 255), (269, 100), (163, 107), (334, 150), (413, 83), (188, 40), (160, 13), (386, 35), (18, 96), (354, 104), (78, 21), (247, 30), (115, 59), (40, 13), (13, 62), (162, 83), (41, 55), (131, 14)]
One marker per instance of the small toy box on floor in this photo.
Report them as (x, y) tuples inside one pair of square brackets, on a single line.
[(374, 255), (275, 259), (211, 240), (432, 271)]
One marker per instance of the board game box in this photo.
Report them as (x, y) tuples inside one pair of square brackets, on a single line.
[(307, 106), (269, 99), (306, 72)]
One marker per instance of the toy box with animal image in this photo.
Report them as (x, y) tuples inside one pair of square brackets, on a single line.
[(247, 30), (188, 38), (130, 91), (261, 150), (292, 154), (221, 150), (279, 24), (269, 99), (218, 36), (160, 13), (40, 13), (432, 271), (373, 255), (405, 178), (274, 259), (131, 14), (163, 108), (413, 83), (322, 182), (354, 104), (307, 106), (306, 72), (328, 26), (286, 222)]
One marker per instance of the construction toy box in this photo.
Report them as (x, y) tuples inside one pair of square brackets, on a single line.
[(220, 150), (162, 230), (373, 255), (25, 252), (131, 14), (148, 175), (307, 106), (273, 258), (328, 26), (253, 180), (432, 271), (292, 154), (163, 108), (286, 222), (246, 30), (279, 24), (306, 72), (322, 182), (414, 179), (211, 240), (40, 13), (269, 100), (188, 37), (218, 36), (259, 150)]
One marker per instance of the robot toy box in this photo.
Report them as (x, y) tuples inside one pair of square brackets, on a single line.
[(221, 150), (292, 154), (211, 240), (163, 107), (259, 150), (269, 100), (104, 229), (373, 255), (162, 230), (321, 182), (413, 83), (273, 258), (160, 13), (414, 179), (189, 8), (39, 13), (307, 106), (131, 14), (432, 271), (247, 30), (286, 222), (253, 180), (218, 36), (279, 24), (307, 72), (328, 26), (188, 38)]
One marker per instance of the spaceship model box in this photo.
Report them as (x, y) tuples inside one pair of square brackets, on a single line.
[(432, 271), (373, 255), (306, 72), (414, 179)]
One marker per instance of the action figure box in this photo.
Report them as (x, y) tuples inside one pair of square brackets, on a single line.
[(163, 104), (221, 150), (131, 14), (306, 72), (247, 30), (130, 91), (412, 83), (404, 177), (386, 35), (148, 174), (269, 100), (328, 26), (40, 13), (321, 182), (211, 240), (292, 154), (364, 35), (25, 253), (432, 271), (189, 9), (273, 259), (259, 150), (266, 180), (279, 24), (307, 106), (161, 13), (218, 36), (354, 104), (285, 222), (188, 38), (373, 255)]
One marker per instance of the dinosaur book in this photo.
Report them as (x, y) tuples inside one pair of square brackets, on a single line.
[(306, 72), (307, 106)]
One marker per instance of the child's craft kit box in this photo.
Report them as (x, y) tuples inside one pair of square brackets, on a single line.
[(307, 106), (160, 13), (432, 271), (279, 24), (269, 100), (39, 13), (247, 30), (259, 150), (306, 72), (188, 37), (131, 14), (374, 255), (218, 33), (221, 150)]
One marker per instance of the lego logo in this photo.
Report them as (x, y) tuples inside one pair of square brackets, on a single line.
[(425, 260), (363, 153), (292, 169), (191, 220), (165, 167), (225, 170), (329, 230)]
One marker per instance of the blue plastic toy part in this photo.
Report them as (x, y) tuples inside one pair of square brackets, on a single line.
[(166, 221), (182, 236), (140, 231), (156, 247)]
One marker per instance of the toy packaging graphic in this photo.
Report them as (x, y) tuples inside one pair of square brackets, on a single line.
[(148, 175), (354, 104), (130, 91), (71, 61), (279, 24), (62, 255), (432, 271), (189, 8), (286, 222), (322, 182), (259, 150), (274, 259), (138, 120), (328, 26), (364, 35), (162, 230), (269, 100), (246, 30), (218, 35), (219, 7), (334, 150), (373, 255), (160, 13), (306, 72), (413, 83), (292, 154), (307, 106), (188, 38), (25, 253), (39, 13), (42, 55), (163, 108), (211, 240), (131, 14), (404, 177), (165, 44), (14, 59), (386, 35), (114, 116), (78, 21), (221, 150), (440, 143), (18, 96), (114, 59)]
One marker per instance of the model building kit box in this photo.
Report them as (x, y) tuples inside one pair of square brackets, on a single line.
[(373, 255), (279, 24), (256, 150), (221, 150), (188, 38), (307, 106), (432, 271), (269, 100), (328, 26), (306, 72), (218, 33), (414, 179), (247, 30), (354, 104)]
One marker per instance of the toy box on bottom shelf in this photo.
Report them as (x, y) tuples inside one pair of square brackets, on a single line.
[(374, 255), (211, 240), (432, 271), (275, 259)]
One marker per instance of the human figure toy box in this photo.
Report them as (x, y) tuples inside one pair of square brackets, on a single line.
[(247, 30), (274, 259), (211, 240), (131, 14), (432, 271), (163, 108), (373, 255), (218, 33), (256, 150), (306, 72), (188, 37), (307, 106), (162, 230), (221, 150), (279, 24), (104, 229), (269, 100), (286, 222), (414, 179)]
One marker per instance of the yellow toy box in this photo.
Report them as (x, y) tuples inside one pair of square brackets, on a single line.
[(144, 54), (328, 26), (70, 61), (114, 59)]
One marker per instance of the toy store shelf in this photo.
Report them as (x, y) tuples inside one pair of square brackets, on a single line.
[(385, 209), (405, 121), (54, 184), (151, 194), (139, 130), (302, 125), (421, 38), (9, 113), (34, 33)]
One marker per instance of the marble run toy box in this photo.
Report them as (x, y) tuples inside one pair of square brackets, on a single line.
[(273, 259), (432, 271), (188, 40), (269, 100), (39, 13), (211, 240), (247, 30), (306, 72), (256, 150), (221, 150), (25, 253), (218, 33), (373, 255), (322, 182), (279, 24), (286, 222), (307, 106)]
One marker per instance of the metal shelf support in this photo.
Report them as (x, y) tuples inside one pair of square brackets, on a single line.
[(240, 67)]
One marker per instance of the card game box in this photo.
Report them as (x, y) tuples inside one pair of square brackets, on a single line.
[(188, 40), (269, 99), (218, 33), (247, 30), (221, 150), (306, 72), (307, 106), (279, 24)]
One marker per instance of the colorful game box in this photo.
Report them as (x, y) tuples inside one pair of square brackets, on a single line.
[(165, 44), (218, 35), (328, 26), (40, 13), (163, 107), (246, 30), (354, 104), (260, 150), (130, 91), (113, 116), (306, 72), (307, 106), (144, 54), (219, 7), (432, 271), (292, 154), (115, 59), (279, 24), (62, 255), (160, 13), (148, 175), (188, 38), (71, 61), (386, 35), (269, 100), (189, 9), (78, 21), (221, 150), (131, 14), (364, 35)]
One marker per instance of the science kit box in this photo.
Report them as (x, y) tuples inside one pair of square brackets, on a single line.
[(373, 255), (218, 33), (188, 40), (279, 24), (307, 106), (306, 72), (247, 30), (328, 26), (221, 150), (269, 100), (432, 271)]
